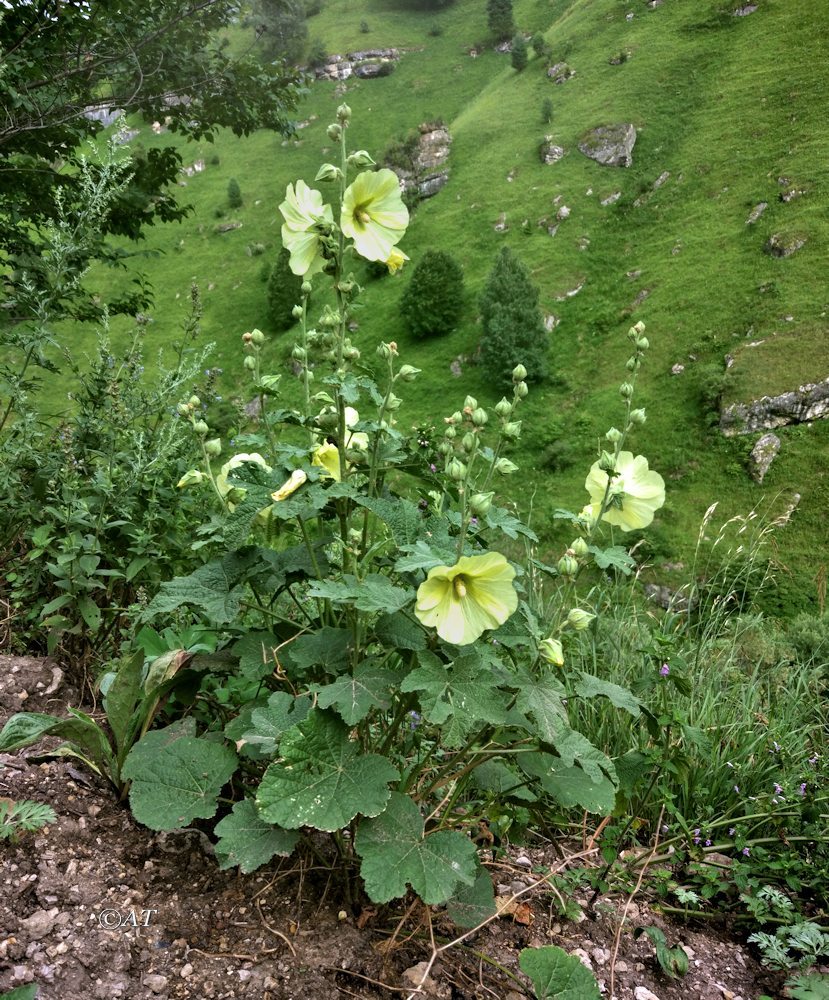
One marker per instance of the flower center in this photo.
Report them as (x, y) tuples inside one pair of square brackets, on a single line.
[(460, 587), (363, 216)]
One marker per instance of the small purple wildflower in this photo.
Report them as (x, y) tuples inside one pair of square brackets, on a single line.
[(664, 670), (746, 852), (813, 759), (473, 521), (697, 837), (737, 789), (415, 720), (776, 747), (802, 789), (732, 830), (778, 789), (433, 467), (708, 843)]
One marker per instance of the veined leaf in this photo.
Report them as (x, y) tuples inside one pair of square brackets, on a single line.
[(322, 778), (570, 786), (615, 556), (246, 840), (176, 776), (557, 975), (216, 588), (375, 593), (396, 854), (355, 695), (474, 903), (542, 697), (268, 723), (594, 687)]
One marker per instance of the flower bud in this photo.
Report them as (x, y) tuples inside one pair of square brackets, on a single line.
[(468, 442), (450, 433), (328, 172), (297, 312), (193, 402), (393, 402), (579, 619), (521, 389), (567, 565), (480, 503), (361, 158), (503, 408), (213, 447), (298, 353), (191, 478), (470, 403), (456, 470), (270, 383), (579, 547), (637, 416), (183, 410), (343, 113), (504, 467), (327, 419), (639, 328), (632, 364), (625, 390), (384, 351), (456, 418), (408, 373), (247, 338), (444, 448), (643, 344), (512, 430), (551, 651), (614, 436), (519, 373), (607, 463), (479, 416), (305, 288), (200, 427), (250, 362), (351, 353), (334, 132), (257, 337)]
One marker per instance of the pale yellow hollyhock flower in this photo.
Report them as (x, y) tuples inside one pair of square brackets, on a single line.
[(291, 485), (396, 260), (305, 215), (222, 484), (464, 600), (373, 214), (327, 455), (635, 492)]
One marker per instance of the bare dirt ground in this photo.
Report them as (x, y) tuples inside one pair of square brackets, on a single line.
[(96, 906)]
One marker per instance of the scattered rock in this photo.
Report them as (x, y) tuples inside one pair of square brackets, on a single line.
[(660, 180), (40, 923), (807, 402), (601, 956), (619, 58), (791, 194), (756, 212), (156, 983), (611, 198), (745, 10), (427, 173), (228, 227), (610, 145), (653, 4), (583, 957), (677, 369), (762, 455), (549, 151), (501, 225), (640, 298), (561, 72), (366, 64), (629, 16), (643, 993), (186, 971), (781, 245), (414, 977), (633, 275), (550, 322), (563, 213)]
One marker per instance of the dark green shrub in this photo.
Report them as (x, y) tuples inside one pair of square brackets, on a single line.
[(234, 193), (433, 300), (547, 111), (499, 18), (364, 28), (317, 53), (313, 7), (539, 45), (284, 292), (519, 54), (513, 327), (435, 29)]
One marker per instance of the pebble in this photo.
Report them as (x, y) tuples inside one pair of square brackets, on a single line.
[(524, 861), (583, 957), (244, 975), (186, 970), (601, 956), (643, 993), (156, 983), (40, 923)]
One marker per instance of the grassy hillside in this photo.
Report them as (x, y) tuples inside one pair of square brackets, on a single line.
[(726, 106)]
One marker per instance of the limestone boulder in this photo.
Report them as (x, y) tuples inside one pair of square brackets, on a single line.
[(610, 145)]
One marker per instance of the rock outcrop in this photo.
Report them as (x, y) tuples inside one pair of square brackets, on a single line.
[(428, 171), (365, 64), (783, 245), (560, 72), (762, 455), (808, 402), (549, 151), (610, 145)]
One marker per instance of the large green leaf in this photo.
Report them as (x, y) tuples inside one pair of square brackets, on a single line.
[(246, 840), (355, 695), (26, 728), (570, 786), (542, 697), (573, 747), (594, 687), (464, 692), (322, 778), (615, 556), (472, 904), (216, 588), (502, 781), (256, 651), (123, 695), (399, 632), (326, 647), (396, 854), (81, 730), (176, 776), (268, 723), (557, 975), (403, 518), (374, 593)]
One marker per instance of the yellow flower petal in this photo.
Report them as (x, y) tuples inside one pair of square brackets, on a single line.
[(464, 600), (396, 260), (291, 485), (373, 214), (305, 218), (327, 457), (636, 492)]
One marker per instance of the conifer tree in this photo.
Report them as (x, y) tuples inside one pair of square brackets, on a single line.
[(513, 327), (234, 193), (519, 53), (499, 18), (433, 300)]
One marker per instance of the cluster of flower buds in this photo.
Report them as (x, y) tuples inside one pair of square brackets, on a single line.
[(252, 345), (573, 559), (640, 342)]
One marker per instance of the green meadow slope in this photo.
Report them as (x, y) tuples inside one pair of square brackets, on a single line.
[(730, 112)]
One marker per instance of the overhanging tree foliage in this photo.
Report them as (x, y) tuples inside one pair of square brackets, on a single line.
[(513, 327), (64, 62)]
